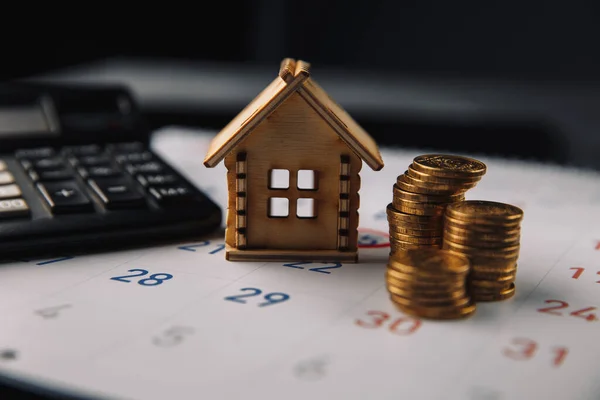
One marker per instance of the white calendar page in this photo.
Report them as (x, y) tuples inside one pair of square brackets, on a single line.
[(180, 322)]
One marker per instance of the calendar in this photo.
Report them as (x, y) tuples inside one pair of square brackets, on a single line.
[(179, 321)]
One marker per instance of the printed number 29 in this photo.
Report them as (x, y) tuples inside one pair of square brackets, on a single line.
[(152, 280), (271, 298)]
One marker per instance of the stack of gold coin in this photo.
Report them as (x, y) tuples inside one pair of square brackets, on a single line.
[(488, 233), (421, 195), (430, 283)]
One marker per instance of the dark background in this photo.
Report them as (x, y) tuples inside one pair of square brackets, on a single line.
[(542, 44)]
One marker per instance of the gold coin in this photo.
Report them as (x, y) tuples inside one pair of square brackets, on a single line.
[(439, 180), (416, 208), (493, 227), (427, 198), (502, 295), (439, 312), (490, 236), (405, 185), (484, 212), (435, 223), (416, 283), (432, 260), (471, 250), (409, 245), (397, 215), (424, 280), (459, 302), (409, 230), (427, 294), (494, 285), (449, 165), (416, 239), (478, 242), (493, 277), (440, 188)]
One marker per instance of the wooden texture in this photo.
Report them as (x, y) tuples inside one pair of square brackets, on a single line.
[(293, 125)]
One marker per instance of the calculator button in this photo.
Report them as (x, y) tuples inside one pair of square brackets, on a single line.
[(6, 178), (156, 179), (171, 194), (149, 167), (128, 147), (9, 191), (2, 166), (51, 175), (65, 197), (13, 208), (117, 193), (84, 150), (137, 157), (41, 152), (96, 159), (43, 163), (99, 171)]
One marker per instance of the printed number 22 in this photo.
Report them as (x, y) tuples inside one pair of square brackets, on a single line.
[(271, 298), (322, 270), (152, 280)]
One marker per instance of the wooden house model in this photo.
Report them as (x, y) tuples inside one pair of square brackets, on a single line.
[(293, 158)]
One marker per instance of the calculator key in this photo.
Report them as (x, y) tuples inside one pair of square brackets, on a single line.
[(43, 163), (127, 147), (9, 191), (84, 150), (149, 167), (13, 208), (2, 166), (6, 178), (96, 159), (98, 171), (117, 193), (136, 157), (51, 175), (156, 179), (65, 197), (36, 153), (171, 194)]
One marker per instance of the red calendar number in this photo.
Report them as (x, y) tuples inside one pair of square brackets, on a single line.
[(584, 313), (402, 326), (597, 245), (525, 349), (579, 271)]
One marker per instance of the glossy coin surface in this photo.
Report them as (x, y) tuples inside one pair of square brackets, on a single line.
[(449, 165), (434, 260), (481, 210), (439, 312)]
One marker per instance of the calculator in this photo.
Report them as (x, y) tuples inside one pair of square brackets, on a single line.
[(77, 175)]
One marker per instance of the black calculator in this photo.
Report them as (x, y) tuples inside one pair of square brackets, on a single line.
[(77, 175)]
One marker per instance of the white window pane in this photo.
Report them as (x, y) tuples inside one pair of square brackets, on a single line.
[(306, 208), (279, 207), (307, 179), (279, 179)]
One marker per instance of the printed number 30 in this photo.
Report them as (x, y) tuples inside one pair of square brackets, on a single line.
[(152, 280)]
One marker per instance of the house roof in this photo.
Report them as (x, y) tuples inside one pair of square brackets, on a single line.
[(294, 77)]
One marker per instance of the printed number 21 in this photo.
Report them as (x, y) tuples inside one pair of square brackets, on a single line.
[(152, 280), (271, 298)]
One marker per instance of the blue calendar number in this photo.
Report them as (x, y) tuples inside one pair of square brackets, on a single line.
[(152, 280), (324, 269), (214, 248), (270, 298)]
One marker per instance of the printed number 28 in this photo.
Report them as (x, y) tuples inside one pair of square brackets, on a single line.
[(271, 298), (152, 280)]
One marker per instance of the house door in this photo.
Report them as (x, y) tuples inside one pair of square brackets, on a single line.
[(295, 209)]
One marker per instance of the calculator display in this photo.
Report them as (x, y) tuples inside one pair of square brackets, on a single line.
[(27, 120)]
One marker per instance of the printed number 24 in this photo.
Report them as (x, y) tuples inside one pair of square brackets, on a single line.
[(152, 280)]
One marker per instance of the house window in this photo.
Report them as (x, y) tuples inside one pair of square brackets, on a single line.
[(307, 179), (279, 179), (306, 208), (279, 207)]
